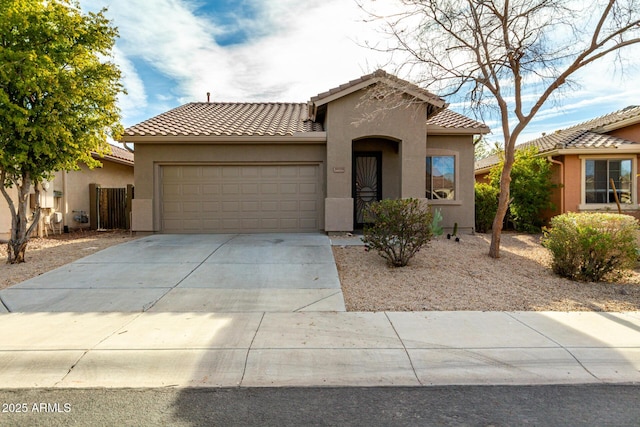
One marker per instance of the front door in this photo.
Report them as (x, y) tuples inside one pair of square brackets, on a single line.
[(367, 183)]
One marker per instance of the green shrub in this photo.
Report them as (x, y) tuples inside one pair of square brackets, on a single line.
[(399, 229), (486, 200), (591, 246), (530, 189)]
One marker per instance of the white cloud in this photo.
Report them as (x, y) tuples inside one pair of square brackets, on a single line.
[(136, 97), (293, 51)]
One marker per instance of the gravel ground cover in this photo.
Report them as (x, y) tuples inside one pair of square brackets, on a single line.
[(460, 276)]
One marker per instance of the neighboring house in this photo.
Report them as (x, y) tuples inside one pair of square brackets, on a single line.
[(212, 167), (66, 199), (585, 158)]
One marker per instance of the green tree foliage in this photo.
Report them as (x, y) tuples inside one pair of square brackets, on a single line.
[(592, 246), (58, 93), (486, 201), (484, 148), (531, 189), (399, 229)]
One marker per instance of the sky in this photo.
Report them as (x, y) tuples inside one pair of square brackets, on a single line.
[(172, 52)]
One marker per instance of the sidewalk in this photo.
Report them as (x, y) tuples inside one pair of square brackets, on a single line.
[(164, 349)]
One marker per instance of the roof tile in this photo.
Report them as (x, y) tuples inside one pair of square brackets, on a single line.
[(583, 135), (381, 74), (229, 119), (117, 153), (449, 119)]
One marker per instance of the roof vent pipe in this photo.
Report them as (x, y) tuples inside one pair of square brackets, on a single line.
[(208, 97)]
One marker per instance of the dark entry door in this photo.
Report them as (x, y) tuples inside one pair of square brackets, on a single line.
[(367, 183)]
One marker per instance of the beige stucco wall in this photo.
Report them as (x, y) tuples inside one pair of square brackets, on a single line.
[(462, 209), (74, 187), (76, 195), (149, 158), (5, 215), (344, 124)]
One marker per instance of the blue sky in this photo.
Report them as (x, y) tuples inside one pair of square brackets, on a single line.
[(175, 51)]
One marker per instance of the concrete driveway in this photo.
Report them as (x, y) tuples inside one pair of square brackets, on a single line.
[(191, 273)]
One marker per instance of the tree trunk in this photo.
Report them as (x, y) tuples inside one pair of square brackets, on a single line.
[(503, 205), (16, 251), (20, 233)]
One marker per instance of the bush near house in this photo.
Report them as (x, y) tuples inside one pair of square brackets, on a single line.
[(398, 229), (530, 189), (486, 200), (592, 246)]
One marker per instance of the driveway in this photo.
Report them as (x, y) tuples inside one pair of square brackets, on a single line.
[(191, 273)]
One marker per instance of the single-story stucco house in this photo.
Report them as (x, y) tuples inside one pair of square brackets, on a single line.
[(585, 158), (66, 200), (215, 167)]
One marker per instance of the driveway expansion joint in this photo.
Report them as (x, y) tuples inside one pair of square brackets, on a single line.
[(151, 304)]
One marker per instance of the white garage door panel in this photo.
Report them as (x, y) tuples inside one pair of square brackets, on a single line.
[(243, 198)]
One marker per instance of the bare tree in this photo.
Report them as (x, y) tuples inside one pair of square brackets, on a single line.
[(510, 56)]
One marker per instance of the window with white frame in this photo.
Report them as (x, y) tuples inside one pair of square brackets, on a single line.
[(441, 177), (598, 176)]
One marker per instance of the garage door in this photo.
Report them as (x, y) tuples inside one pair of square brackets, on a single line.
[(240, 198)]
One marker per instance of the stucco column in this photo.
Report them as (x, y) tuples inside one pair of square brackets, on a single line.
[(413, 168), (339, 201)]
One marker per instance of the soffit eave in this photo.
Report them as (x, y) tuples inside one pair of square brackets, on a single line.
[(439, 130), (301, 137)]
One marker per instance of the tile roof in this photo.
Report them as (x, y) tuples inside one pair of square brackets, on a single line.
[(585, 135), (121, 153), (274, 119), (630, 112), (448, 119), (118, 154), (229, 119), (381, 75)]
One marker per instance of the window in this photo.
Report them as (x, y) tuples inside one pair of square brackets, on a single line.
[(441, 177), (598, 176)]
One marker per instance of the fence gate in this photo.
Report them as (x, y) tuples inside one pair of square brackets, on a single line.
[(111, 207)]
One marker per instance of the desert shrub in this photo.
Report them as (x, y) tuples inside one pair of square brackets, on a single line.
[(530, 189), (591, 246), (398, 229), (486, 200)]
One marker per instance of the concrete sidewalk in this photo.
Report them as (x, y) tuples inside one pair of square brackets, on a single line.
[(256, 349)]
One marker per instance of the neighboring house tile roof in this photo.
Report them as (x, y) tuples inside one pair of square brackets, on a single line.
[(118, 154), (630, 112), (448, 119), (229, 119), (585, 135), (121, 153)]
